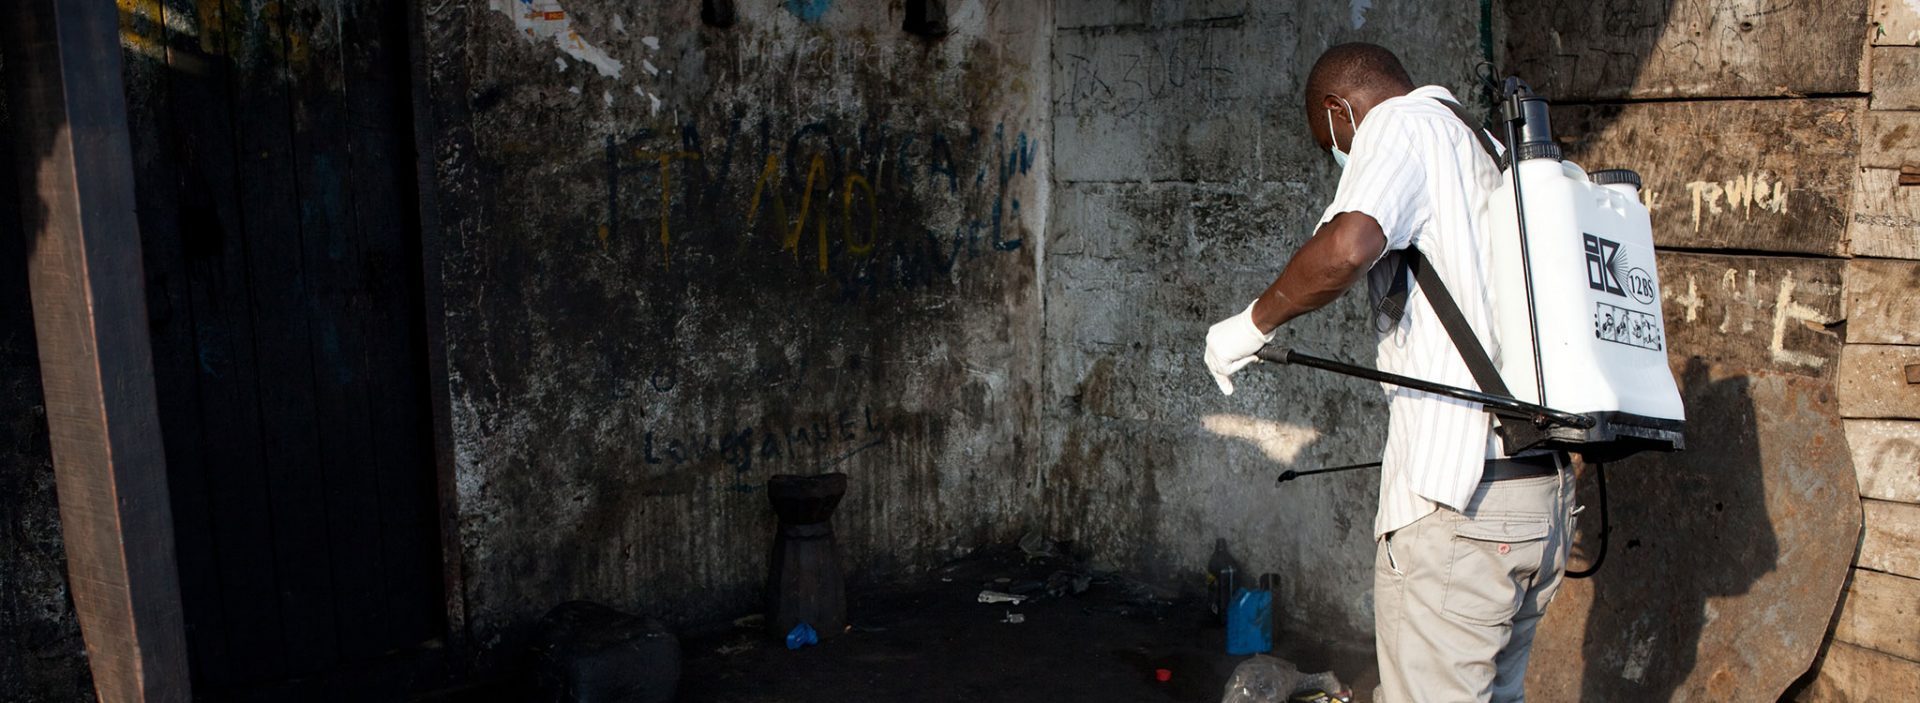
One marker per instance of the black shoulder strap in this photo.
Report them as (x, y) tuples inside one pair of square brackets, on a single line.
[(1514, 433), (1444, 306), (1486, 141), (1394, 303), (1413, 264)]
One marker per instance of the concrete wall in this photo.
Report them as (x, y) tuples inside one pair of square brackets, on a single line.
[(674, 259), (1184, 177)]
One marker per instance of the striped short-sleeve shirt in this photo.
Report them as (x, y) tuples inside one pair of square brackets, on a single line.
[(1417, 170)]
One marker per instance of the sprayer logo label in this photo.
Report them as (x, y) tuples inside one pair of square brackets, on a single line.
[(1605, 267)]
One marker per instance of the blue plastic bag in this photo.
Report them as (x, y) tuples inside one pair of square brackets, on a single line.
[(801, 636), (1250, 622)]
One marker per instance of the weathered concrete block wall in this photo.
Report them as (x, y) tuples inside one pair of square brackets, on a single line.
[(676, 258), (1726, 560), (1184, 176)]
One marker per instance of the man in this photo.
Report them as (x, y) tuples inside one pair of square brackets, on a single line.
[(1470, 546)]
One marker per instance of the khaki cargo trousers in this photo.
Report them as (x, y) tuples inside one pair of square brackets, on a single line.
[(1458, 594)]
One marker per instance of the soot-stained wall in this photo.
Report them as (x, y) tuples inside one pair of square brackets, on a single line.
[(674, 258), (1184, 177)]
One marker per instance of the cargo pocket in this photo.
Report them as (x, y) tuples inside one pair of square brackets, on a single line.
[(1494, 557)]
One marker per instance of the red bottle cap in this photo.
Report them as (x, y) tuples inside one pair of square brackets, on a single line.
[(1163, 675)]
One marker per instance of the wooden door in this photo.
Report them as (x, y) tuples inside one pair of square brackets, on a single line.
[(274, 169)]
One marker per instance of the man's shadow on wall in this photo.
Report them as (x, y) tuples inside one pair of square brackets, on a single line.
[(1687, 528)]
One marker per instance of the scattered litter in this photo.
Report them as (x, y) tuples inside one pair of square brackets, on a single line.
[(1037, 546), (801, 636), (1014, 618), (991, 596), (751, 622), (1266, 679), (736, 648), (1061, 583)]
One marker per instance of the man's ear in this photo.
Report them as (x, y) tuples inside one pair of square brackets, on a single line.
[(1339, 108)]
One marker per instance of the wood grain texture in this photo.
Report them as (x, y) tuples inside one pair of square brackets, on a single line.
[(1881, 612), (1892, 139), (1574, 50), (1896, 23), (1773, 175), (1873, 382), (1890, 541), (1854, 674), (69, 113), (1886, 216), (1886, 457), (1883, 301), (1754, 312), (1896, 78)]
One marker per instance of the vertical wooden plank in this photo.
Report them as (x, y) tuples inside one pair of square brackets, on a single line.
[(337, 306), (258, 45), (448, 209), (210, 228), (374, 43), (157, 154), (90, 320)]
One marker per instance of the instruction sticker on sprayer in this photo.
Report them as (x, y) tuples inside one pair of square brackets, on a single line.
[(1630, 327)]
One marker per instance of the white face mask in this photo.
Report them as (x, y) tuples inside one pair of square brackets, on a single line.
[(1340, 157)]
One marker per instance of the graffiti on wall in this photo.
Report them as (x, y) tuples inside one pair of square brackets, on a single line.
[(828, 198)]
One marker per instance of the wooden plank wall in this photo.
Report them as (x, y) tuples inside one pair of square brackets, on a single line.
[(1875, 649), (1747, 120), (272, 153)]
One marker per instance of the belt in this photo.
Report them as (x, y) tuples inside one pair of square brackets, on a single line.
[(1522, 467)]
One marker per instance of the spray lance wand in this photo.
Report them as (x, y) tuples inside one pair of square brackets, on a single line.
[(1542, 417)]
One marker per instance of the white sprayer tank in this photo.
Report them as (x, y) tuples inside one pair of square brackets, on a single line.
[(1595, 300)]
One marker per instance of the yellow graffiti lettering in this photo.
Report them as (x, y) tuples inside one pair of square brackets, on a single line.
[(854, 245), (666, 189)]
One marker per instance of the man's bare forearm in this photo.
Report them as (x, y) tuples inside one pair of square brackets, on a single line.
[(1334, 259)]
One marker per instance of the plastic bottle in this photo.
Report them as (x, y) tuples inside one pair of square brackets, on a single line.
[(1223, 578), (1250, 622)]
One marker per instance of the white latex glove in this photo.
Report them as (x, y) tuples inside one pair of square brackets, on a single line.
[(1231, 344)]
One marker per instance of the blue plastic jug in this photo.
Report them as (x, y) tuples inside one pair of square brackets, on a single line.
[(1250, 622)]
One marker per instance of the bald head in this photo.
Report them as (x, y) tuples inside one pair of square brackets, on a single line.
[(1347, 81)]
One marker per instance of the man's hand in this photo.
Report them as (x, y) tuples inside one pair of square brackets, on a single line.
[(1231, 344)]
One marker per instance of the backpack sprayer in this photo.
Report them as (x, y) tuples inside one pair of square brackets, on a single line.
[(1576, 307)]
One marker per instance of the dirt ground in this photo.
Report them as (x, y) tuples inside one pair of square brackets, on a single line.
[(931, 640)]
